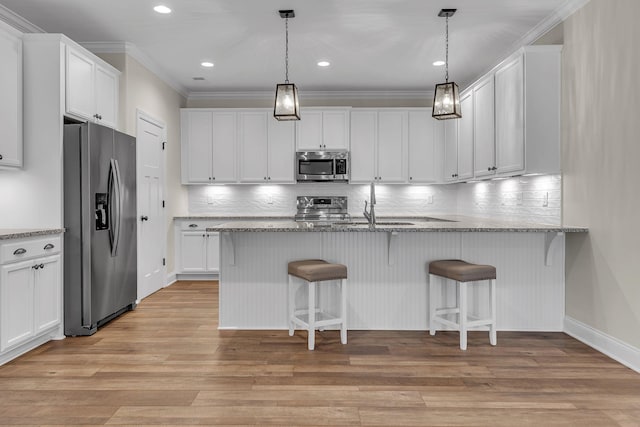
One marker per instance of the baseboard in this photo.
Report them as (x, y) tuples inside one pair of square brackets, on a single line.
[(193, 277), (171, 279), (606, 344)]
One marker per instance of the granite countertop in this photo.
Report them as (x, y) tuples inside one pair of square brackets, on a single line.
[(448, 223), (20, 233)]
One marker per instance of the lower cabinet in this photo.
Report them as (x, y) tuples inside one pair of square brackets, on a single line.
[(197, 251), (30, 292)]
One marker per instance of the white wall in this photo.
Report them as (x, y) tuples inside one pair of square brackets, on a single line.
[(601, 152)]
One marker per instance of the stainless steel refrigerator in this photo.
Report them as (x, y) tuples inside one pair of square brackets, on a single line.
[(100, 267)]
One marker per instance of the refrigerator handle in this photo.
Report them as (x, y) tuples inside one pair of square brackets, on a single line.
[(114, 250), (112, 197)]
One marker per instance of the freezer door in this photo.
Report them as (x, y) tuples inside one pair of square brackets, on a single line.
[(126, 280), (102, 198)]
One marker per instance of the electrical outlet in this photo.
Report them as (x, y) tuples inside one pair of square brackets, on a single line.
[(545, 201), (519, 198), (209, 200), (269, 199), (430, 199)]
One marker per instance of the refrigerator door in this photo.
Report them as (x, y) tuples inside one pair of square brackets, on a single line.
[(125, 275), (102, 197)]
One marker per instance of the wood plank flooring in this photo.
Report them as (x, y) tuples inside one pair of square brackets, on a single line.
[(166, 363)]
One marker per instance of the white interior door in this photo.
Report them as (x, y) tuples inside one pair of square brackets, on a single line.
[(151, 233)]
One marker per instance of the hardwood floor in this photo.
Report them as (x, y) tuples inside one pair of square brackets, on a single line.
[(166, 363)]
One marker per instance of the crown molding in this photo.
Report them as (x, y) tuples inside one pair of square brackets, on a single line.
[(17, 21), (133, 51), (352, 94)]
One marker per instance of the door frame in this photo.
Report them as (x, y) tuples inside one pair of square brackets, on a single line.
[(142, 115)]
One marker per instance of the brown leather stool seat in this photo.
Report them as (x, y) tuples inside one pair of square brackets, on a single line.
[(314, 271), (463, 274), (462, 271)]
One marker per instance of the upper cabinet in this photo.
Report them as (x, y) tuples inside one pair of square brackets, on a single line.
[(208, 146), (91, 88), (379, 145), (321, 129), (459, 142), (11, 98), (484, 127), (424, 154), (267, 148)]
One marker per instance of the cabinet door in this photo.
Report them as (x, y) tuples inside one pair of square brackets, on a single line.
[(80, 84), (213, 252), (335, 130), (465, 138), (10, 100), (282, 149), (484, 127), (193, 251), (392, 143), (422, 147), (47, 293), (197, 139), (451, 150), (510, 116), (106, 97), (363, 146), (253, 144), (309, 131), (16, 304), (224, 147)]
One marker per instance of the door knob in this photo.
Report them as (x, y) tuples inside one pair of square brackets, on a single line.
[(144, 218)]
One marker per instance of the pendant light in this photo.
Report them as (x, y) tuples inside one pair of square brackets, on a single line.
[(446, 100), (286, 106)]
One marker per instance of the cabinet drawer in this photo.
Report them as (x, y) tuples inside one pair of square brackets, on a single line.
[(197, 225), (29, 248)]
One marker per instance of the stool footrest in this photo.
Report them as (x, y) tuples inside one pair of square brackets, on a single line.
[(322, 319)]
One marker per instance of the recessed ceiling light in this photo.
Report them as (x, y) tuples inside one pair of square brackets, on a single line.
[(162, 9), (439, 63), (207, 64), (323, 63)]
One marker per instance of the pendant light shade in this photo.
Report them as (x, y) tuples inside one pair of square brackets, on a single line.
[(446, 99), (287, 105)]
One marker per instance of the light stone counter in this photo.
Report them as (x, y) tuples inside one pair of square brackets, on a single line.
[(20, 233)]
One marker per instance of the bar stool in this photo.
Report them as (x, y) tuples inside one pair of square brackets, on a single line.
[(317, 271), (462, 273)]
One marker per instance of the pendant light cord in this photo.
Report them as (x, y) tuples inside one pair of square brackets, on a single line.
[(446, 59), (286, 53)]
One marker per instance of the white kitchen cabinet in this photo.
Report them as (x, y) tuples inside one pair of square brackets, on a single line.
[(458, 152), (484, 127), (424, 132), (30, 294), (197, 251), (267, 148), (379, 140), (323, 129), (528, 112), (91, 88), (451, 150), (11, 98), (208, 146)]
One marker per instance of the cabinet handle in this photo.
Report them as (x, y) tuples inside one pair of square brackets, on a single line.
[(35, 266), (494, 168), (20, 251), (0, 156), (410, 178), (144, 218), (193, 225), (213, 178), (100, 117), (268, 178), (48, 246), (265, 178), (41, 265)]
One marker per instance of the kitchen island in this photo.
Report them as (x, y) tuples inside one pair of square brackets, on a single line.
[(387, 268)]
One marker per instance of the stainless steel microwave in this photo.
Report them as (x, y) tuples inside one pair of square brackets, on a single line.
[(322, 166)]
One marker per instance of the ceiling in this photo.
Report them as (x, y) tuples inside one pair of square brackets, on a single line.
[(373, 45)]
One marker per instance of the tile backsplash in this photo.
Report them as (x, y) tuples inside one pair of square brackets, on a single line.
[(535, 198)]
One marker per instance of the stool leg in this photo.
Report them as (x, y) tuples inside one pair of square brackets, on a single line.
[(312, 315), (493, 338), (432, 305), (291, 305), (343, 311), (462, 286)]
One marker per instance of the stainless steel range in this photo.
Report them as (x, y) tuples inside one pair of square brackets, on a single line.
[(322, 209)]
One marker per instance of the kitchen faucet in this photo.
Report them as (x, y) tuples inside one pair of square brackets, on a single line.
[(371, 215)]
